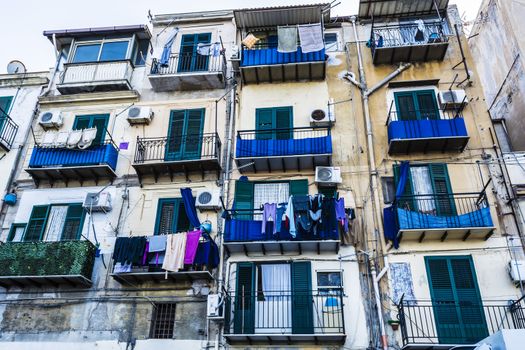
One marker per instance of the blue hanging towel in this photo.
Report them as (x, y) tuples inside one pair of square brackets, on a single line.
[(166, 52), (189, 206), (389, 225)]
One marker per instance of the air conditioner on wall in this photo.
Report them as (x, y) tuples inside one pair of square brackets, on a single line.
[(323, 117), (140, 115), (97, 201), (328, 175), (50, 120), (451, 99), (516, 270), (208, 200)]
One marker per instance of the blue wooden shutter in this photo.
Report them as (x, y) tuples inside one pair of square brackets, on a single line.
[(73, 223), (37, 223), (302, 299), (264, 123), (175, 134), (244, 308), (189, 60), (442, 190)]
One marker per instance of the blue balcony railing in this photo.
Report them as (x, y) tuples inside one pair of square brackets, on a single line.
[(245, 225), (263, 56), (284, 142), (106, 153)]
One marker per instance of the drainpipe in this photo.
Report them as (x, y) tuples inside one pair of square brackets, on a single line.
[(365, 93)]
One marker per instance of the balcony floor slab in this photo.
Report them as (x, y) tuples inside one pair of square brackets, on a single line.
[(425, 145), (72, 173), (284, 72), (94, 86), (410, 53), (186, 81), (446, 234), (283, 163), (132, 278), (42, 281), (170, 168), (284, 339), (283, 247)]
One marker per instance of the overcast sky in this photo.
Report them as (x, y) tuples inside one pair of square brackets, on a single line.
[(22, 21)]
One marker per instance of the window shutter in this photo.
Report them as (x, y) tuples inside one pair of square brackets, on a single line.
[(405, 106), (101, 123), (441, 186), (165, 217), (264, 123), (72, 224), (244, 312), (302, 300), (299, 187), (175, 133), (192, 139), (183, 223), (81, 122), (5, 104), (427, 104), (243, 198), (283, 120), (37, 223)]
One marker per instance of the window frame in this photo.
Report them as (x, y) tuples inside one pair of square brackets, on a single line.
[(176, 209), (12, 231), (414, 92), (329, 288), (335, 46), (272, 132), (154, 320), (49, 206), (76, 43), (91, 118)]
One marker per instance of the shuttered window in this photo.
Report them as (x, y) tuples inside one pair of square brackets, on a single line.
[(274, 123), (73, 223), (184, 134), (416, 105), (189, 59), (5, 104), (171, 217), (71, 227), (99, 121)]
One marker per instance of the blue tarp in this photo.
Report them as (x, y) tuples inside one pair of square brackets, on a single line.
[(413, 220), (63, 157), (265, 148), (415, 129), (260, 57), (404, 170), (250, 230), (189, 206)]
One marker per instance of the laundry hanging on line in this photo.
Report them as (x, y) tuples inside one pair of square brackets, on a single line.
[(311, 37), (287, 39)]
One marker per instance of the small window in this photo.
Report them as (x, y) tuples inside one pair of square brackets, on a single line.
[(171, 217), (329, 282), (389, 189), (330, 42), (16, 232), (163, 321), (114, 51), (99, 121)]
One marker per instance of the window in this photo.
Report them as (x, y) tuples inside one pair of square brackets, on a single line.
[(99, 121), (103, 50), (5, 104), (389, 189), (54, 223), (171, 217), (184, 134), (329, 282), (416, 105), (267, 120), (16, 232), (330, 42), (189, 60), (163, 321)]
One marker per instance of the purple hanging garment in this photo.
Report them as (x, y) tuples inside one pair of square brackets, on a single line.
[(192, 243), (340, 213)]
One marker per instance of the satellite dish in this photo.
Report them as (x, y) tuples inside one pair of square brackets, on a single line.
[(16, 67)]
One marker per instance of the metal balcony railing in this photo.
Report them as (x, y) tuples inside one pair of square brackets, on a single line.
[(186, 147), (407, 34), (284, 142), (285, 312), (450, 322), (8, 131), (422, 114), (190, 63), (97, 72), (456, 210)]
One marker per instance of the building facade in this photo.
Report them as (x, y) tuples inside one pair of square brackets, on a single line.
[(258, 178)]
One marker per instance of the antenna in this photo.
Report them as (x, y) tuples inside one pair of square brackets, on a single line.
[(16, 67)]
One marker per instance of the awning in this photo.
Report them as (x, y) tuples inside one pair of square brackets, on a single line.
[(281, 15), (390, 8)]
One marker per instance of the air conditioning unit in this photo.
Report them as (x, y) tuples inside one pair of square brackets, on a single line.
[(328, 175), (50, 120), (321, 117), (208, 200), (451, 99), (140, 115), (214, 309), (517, 271), (97, 201)]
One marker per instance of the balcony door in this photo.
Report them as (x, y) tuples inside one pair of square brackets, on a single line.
[(273, 298), (99, 121), (416, 105), (456, 301), (189, 59), (184, 141), (274, 123)]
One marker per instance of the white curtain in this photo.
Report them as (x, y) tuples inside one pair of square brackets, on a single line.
[(422, 184), (274, 305), (277, 192), (55, 223)]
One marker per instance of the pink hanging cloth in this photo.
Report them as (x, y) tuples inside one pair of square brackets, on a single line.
[(192, 243)]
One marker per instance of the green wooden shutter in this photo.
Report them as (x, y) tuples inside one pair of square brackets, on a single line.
[(405, 106), (175, 133), (200, 61), (37, 223), (100, 122), (284, 120), (244, 309), (189, 60), (441, 187), (302, 300), (407, 202), (82, 122), (264, 123), (192, 134), (165, 217), (5, 104), (13, 229), (299, 187), (243, 198), (427, 104), (73, 223)]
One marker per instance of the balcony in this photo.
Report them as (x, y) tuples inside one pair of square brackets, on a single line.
[(95, 77), (441, 217), (157, 156), (243, 234), (39, 264), (188, 72), (433, 325), (394, 43), (426, 131), (8, 131), (284, 318), (283, 149), (66, 164), (263, 64)]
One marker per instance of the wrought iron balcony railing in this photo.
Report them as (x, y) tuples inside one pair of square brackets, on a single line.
[(189, 63), (407, 34), (8, 131)]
